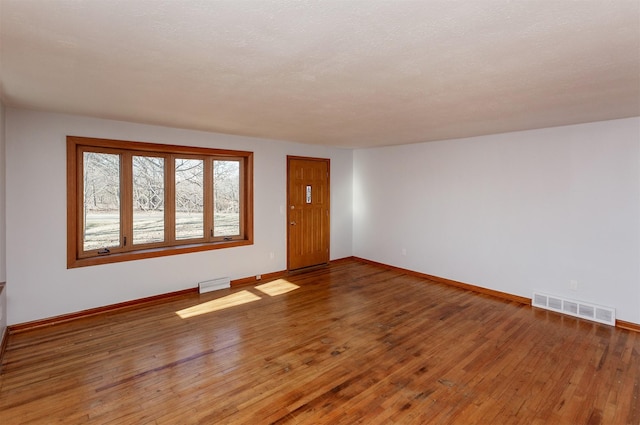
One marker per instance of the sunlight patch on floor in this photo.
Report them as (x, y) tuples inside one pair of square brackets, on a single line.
[(232, 300), (277, 287)]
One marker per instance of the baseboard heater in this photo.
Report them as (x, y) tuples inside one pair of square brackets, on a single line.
[(597, 313), (214, 284)]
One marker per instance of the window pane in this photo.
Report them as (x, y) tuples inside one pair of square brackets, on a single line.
[(226, 198), (148, 199), (189, 198), (101, 181)]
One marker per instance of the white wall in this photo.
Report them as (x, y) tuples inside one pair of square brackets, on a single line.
[(3, 249), (3, 293), (513, 212), (40, 286)]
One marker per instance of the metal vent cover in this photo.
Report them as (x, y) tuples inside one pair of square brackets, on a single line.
[(584, 310), (214, 284)]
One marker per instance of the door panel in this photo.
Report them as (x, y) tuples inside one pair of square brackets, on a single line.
[(308, 212)]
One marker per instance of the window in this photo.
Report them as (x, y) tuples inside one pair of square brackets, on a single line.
[(132, 200)]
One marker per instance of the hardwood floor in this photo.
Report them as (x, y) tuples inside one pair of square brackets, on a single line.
[(352, 343)]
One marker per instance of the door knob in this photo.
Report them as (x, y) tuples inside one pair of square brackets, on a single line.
[(293, 223)]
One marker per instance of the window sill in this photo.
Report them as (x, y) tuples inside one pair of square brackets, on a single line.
[(152, 253)]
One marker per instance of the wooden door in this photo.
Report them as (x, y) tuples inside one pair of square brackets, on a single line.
[(308, 212)]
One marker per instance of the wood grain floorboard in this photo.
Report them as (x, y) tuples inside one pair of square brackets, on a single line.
[(352, 343)]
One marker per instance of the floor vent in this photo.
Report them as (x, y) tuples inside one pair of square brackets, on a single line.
[(214, 284), (606, 315)]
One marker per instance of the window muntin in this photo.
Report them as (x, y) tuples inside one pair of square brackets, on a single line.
[(130, 200)]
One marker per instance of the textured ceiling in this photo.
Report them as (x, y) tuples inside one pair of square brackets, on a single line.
[(343, 73)]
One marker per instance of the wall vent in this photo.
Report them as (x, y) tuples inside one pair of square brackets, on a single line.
[(214, 284), (589, 311)]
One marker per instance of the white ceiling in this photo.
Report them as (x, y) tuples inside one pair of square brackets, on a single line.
[(345, 73)]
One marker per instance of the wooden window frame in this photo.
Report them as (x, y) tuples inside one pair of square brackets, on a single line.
[(77, 257)]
